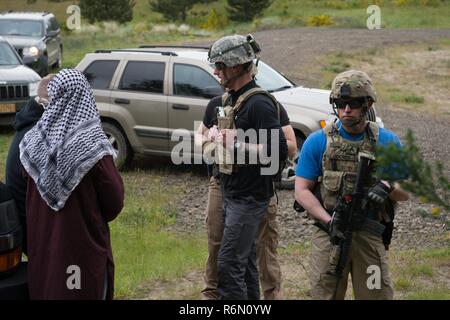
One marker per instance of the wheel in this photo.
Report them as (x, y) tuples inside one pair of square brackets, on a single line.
[(119, 143), (288, 174), (59, 62), (44, 66)]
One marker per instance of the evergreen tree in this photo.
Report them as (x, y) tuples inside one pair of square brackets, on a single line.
[(425, 180), (246, 10), (107, 10)]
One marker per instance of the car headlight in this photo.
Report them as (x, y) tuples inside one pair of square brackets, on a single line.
[(33, 88), (31, 51)]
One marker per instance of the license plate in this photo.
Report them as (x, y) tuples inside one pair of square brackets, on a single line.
[(7, 108)]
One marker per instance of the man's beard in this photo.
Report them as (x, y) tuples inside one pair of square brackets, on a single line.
[(351, 122)]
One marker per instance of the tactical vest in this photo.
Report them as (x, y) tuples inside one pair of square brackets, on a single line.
[(340, 163), (226, 162)]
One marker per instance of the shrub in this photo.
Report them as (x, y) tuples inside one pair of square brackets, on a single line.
[(107, 10), (215, 21), (175, 10), (246, 10), (318, 21)]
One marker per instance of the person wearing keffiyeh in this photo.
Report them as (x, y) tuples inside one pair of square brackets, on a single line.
[(73, 191)]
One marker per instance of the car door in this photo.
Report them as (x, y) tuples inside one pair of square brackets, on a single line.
[(188, 99), (141, 90)]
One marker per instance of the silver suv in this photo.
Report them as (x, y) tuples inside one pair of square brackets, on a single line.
[(144, 94), (17, 83), (36, 36)]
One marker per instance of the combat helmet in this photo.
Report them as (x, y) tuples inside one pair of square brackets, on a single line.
[(234, 50), (352, 84)]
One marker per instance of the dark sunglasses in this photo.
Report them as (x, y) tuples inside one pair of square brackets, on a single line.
[(219, 65), (355, 103)]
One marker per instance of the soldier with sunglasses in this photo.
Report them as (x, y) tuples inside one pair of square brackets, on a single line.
[(326, 172)]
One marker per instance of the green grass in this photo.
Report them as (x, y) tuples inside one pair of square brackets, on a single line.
[(143, 249), (421, 270), (6, 136), (407, 98), (435, 294)]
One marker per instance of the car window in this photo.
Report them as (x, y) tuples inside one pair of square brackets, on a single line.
[(191, 80), (7, 55), (23, 28), (270, 79), (99, 73), (48, 26), (143, 76), (54, 24)]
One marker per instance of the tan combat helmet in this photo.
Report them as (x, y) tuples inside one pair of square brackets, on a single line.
[(352, 84)]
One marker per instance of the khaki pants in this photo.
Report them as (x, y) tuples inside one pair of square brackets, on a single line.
[(266, 246), (367, 264)]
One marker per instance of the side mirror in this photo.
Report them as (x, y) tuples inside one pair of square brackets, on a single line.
[(211, 92), (52, 33)]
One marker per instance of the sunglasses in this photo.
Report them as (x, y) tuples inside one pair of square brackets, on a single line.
[(352, 103), (218, 65)]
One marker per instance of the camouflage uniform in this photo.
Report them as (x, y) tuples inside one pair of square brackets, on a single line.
[(339, 167)]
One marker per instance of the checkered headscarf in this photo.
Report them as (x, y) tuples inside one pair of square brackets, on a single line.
[(67, 141)]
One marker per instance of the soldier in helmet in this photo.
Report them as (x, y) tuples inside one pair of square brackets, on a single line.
[(244, 190), (326, 171)]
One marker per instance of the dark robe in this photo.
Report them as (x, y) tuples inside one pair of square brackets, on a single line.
[(77, 235)]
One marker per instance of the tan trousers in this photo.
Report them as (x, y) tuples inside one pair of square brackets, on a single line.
[(266, 247), (367, 264)]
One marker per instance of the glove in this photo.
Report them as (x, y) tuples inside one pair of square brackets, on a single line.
[(379, 192), (335, 234)]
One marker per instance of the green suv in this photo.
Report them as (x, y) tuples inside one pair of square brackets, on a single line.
[(145, 94)]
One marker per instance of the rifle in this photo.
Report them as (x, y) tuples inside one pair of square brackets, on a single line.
[(347, 215)]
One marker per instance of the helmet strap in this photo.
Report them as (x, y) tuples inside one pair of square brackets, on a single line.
[(238, 75)]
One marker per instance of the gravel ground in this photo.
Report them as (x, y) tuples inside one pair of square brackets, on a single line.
[(295, 50)]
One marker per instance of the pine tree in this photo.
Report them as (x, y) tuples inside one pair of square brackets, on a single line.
[(425, 180), (107, 10), (246, 10)]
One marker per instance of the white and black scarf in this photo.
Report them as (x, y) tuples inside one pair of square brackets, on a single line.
[(67, 141)]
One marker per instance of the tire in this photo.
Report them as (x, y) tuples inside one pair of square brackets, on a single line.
[(119, 143), (59, 62), (44, 66), (288, 175)]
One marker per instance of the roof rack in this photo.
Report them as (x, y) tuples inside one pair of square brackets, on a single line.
[(173, 46), (164, 53), (43, 13)]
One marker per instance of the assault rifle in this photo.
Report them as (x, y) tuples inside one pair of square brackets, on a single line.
[(347, 216)]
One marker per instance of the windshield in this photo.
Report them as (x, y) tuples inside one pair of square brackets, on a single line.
[(270, 79), (21, 28), (7, 55)]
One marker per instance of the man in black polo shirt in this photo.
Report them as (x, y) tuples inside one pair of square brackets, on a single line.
[(246, 189)]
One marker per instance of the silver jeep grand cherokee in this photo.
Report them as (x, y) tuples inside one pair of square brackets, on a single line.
[(144, 94)]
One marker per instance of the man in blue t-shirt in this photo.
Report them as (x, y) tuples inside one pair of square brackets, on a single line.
[(326, 171)]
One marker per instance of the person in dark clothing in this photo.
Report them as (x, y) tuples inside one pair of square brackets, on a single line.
[(246, 189), (26, 118), (73, 191)]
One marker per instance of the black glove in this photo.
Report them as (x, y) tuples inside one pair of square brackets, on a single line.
[(335, 234), (379, 192)]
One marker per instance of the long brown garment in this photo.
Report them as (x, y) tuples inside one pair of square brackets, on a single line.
[(78, 235)]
